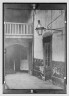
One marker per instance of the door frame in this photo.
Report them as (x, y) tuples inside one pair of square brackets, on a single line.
[(50, 55)]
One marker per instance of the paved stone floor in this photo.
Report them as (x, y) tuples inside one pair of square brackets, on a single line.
[(26, 81)]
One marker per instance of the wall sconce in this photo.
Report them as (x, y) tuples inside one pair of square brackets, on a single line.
[(39, 28)]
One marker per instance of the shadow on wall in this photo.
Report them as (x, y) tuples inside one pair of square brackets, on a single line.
[(19, 12), (14, 54)]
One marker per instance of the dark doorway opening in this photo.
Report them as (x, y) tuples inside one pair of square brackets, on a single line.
[(47, 46), (13, 57)]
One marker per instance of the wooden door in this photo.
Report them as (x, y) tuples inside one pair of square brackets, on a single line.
[(47, 57)]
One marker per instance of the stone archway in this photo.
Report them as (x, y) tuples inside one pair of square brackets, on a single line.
[(13, 57), (17, 55)]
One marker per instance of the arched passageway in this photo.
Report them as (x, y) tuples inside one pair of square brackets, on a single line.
[(17, 58)]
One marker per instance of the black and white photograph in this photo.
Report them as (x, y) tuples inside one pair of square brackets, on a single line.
[(34, 48)]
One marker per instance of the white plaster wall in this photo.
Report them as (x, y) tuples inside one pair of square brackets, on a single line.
[(58, 42), (59, 22), (38, 44), (58, 39), (58, 47)]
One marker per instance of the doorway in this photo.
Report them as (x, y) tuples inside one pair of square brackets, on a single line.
[(47, 46)]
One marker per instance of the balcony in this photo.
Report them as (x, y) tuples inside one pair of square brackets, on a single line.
[(18, 30)]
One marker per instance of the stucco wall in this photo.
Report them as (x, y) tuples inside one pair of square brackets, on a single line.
[(57, 17), (43, 16), (58, 47), (58, 38)]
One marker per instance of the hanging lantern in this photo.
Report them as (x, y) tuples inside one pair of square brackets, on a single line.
[(39, 28)]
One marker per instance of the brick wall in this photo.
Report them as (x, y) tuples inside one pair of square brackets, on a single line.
[(58, 73), (38, 68)]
